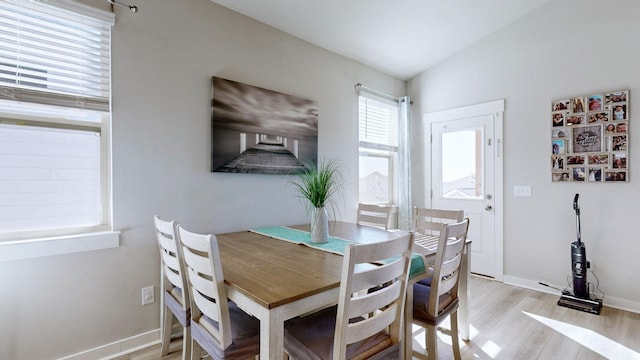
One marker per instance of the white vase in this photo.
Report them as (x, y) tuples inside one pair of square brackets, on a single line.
[(319, 225)]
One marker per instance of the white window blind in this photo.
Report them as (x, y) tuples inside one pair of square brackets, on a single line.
[(51, 55), (378, 123)]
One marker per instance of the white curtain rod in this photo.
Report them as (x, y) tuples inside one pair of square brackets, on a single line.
[(383, 94), (378, 92)]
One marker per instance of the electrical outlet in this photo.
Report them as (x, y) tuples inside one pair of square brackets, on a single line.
[(148, 295)]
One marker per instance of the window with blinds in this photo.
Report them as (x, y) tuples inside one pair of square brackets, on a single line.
[(54, 118), (378, 140), (378, 120), (51, 55)]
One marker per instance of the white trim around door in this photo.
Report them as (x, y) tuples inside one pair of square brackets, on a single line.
[(496, 109)]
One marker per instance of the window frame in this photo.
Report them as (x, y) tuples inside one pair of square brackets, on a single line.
[(103, 128), (35, 243), (391, 190), (374, 149)]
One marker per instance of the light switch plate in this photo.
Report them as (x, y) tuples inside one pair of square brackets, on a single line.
[(522, 191)]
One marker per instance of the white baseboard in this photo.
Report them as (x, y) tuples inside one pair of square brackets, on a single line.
[(118, 348), (610, 301)]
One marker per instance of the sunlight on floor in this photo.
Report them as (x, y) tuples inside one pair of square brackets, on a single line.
[(589, 339), (420, 339), (473, 332), (419, 335), (490, 349)]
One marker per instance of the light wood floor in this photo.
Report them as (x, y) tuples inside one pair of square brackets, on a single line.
[(512, 323)]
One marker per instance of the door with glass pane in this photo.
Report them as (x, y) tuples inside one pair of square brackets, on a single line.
[(462, 177)]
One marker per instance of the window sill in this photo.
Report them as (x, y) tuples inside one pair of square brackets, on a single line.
[(27, 249)]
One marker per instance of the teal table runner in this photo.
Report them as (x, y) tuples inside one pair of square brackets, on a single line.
[(334, 245)]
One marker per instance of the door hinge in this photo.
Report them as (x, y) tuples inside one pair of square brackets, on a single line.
[(489, 142)]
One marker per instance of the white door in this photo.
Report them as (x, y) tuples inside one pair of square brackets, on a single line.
[(465, 159)]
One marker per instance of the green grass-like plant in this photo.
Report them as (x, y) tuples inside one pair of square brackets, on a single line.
[(319, 183)]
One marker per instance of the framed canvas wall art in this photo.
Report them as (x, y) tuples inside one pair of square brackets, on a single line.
[(589, 138), (256, 130)]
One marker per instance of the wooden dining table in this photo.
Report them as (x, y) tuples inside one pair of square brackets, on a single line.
[(276, 280)]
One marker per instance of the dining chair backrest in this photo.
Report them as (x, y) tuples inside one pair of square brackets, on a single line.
[(427, 223), (446, 269), (385, 286), (208, 293), (375, 215), (172, 265), (174, 285)]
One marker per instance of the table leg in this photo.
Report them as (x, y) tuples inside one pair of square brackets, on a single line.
[(464, 294), (407, 352), (272, 335), (271, 324)]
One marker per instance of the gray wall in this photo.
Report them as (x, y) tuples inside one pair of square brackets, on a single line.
[(163, 60), (566, 48)]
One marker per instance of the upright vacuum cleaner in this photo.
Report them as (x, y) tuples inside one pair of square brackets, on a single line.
[(581, 299)]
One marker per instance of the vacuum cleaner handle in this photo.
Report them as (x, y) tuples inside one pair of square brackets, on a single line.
[(577, 209)]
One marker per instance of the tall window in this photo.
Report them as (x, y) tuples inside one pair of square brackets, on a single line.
[(378, 135), (54, 118)]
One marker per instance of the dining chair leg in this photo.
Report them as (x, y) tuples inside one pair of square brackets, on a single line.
[(165, 336), (186, 343), (455, 339), (196, 350), (432, 342)]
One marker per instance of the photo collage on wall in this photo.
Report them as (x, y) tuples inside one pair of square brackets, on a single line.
[(589, 138)]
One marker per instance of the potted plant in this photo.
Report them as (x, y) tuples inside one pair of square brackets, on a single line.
[(318, 184)]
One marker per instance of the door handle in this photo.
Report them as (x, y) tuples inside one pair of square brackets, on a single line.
[(488, 208)]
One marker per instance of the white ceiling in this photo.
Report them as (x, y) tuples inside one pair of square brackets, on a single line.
[(399, 37)]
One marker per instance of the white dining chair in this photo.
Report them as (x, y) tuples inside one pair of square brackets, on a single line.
[(347, 331), (173, 287), (433, 303), (218, 326)]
